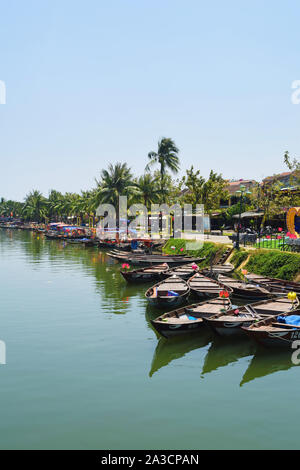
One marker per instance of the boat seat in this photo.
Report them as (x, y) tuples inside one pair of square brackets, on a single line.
[(285, 325)]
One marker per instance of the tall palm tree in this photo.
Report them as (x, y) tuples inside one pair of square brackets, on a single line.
[(55, 203), (149, 189), (35, 207), (166, 156), (116, 181)]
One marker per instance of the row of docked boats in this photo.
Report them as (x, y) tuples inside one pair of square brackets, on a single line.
[(144, 259), (271, 314)]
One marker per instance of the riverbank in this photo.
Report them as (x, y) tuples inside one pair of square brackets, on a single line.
[(273, 263)]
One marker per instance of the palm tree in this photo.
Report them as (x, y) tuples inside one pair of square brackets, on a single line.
[(55, 204), (116, 181), (166, 156), (149, 189), (35, 207)]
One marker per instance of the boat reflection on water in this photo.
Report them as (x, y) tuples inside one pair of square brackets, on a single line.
[(168, 350), (267, 361), (223, 352)]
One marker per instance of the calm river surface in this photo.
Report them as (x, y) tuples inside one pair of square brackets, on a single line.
[(85, 369)]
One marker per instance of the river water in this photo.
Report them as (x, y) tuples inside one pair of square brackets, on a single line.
[(85, 370)]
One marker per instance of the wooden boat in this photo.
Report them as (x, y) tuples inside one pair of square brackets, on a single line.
[(188, 319), (231, 322), (185, 271), (107, 244), (73, 241), (81, 241), (245, 290), (90, 242), (151, 273), (279, 284), (279, 331), (148, 260), (205, 287), (170, 292), (216, 269)]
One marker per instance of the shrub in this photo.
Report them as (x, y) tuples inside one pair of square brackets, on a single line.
[(208, 249), (274, 263)]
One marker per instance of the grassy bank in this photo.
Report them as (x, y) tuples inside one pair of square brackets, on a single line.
[(209, 249), (273, 263)]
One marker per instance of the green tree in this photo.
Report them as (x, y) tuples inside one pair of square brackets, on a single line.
[(198, 190), (167, 158), (148, 189), (115, 182), (35, 207)]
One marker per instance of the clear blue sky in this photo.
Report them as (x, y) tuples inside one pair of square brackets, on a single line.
[(94, 82)]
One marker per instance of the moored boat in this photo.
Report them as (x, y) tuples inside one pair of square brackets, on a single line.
[(232, 322), (279, 284), (169, 292), (151, 273), (205, 287), (185, 271), (216, 269), (74, 241), (188, 319), (245, 290), (148, 260), (278, 331)]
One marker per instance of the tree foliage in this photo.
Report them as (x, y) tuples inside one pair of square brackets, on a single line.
[(198, 190)]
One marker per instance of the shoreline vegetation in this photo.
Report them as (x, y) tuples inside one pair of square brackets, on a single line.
[(158, 185), (273, 263)]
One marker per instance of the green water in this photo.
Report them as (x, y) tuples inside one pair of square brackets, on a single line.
[(85, 370)]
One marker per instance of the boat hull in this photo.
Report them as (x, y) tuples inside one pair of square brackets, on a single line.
[(166, 301), (141, 277), (254, 297), (228, 328), (276, 339), (169, 330)]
